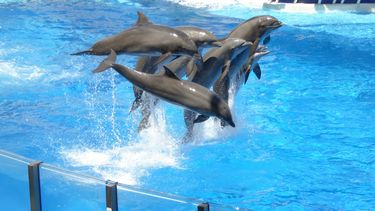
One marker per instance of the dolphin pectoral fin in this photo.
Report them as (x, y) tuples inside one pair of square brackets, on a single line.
[(267, 40), (201, 118), (247, 73), (257, 71), (169, 73), (142, 19), (86, 52), (106, 63)]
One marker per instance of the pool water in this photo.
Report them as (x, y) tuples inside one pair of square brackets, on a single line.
[(305, 137)]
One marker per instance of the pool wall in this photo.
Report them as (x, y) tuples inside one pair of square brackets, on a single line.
[(34, 185), (366, 6)]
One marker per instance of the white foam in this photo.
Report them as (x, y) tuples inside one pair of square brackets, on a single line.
[(210, 131), (154, 149), (12, 70), (128, 159)]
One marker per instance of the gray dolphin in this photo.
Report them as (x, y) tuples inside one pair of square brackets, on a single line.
[(215, 62), (256, 30), (180, 65), (169, 87), (146, 38)]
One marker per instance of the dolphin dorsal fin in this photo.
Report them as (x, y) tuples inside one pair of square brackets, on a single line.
[(142, 19), (168, 72)]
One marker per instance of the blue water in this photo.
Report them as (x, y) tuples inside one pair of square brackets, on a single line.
[(305, 137)]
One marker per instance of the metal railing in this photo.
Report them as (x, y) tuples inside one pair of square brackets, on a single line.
[(111, 188)]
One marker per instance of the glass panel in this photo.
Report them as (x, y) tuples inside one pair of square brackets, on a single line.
[(14, 185), (130, 198), (63, 190)]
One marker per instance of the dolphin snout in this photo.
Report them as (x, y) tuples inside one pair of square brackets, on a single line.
[(276, 24), (231, 123)]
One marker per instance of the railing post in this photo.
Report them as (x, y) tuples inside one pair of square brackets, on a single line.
[(34, 186), (204, 207), (111, 196)]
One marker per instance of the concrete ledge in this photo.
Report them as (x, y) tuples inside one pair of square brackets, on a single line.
[(313, 8)]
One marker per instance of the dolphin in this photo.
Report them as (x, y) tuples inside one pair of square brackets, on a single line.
[(148, 39), (169, 87), (215, 62), (256, 30), (180, 65)]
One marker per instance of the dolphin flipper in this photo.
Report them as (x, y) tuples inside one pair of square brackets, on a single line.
[(201, 118), (247, 73), (267, 40), (257, 71), (106, 63)]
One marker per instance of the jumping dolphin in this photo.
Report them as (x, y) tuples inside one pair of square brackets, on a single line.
[(215, 62), (180, 66), (169, 87), (256, 30), (218, 60), (148, 39), (238, 73)]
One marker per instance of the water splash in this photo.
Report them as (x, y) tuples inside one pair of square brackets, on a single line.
[(10, 70), (127, 160)]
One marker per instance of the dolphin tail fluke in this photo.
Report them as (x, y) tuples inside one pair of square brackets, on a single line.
[(86, 52), (106, 63)]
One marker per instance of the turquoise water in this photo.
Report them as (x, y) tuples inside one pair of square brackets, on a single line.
[(305, 137)]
